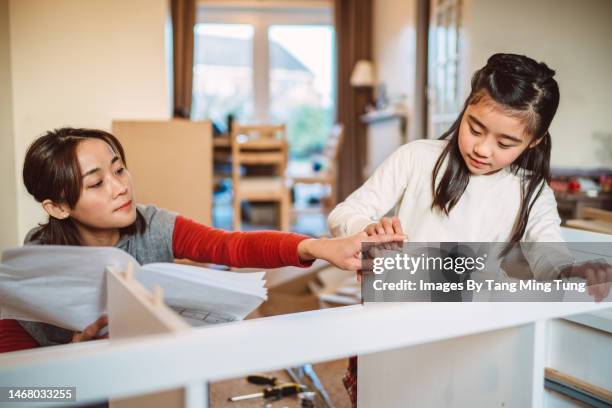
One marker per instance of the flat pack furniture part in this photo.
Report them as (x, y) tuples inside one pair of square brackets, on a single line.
[(147, 315), (171, 164)]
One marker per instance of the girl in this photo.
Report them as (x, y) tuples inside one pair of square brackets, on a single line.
[(484, 180), (81, 179)]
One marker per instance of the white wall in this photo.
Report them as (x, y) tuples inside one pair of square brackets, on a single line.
[(572, 37), (394, 44), (394, 56), (83, 63), (8, 203)]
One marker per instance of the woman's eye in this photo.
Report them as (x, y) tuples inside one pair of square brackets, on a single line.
[(98, 184), (474, 132), (120, 170), (504, 146)]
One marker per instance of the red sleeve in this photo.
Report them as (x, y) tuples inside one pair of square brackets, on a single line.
[(260, 249), (13, 337)]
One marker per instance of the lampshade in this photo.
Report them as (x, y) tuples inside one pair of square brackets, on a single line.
[(363, 74)]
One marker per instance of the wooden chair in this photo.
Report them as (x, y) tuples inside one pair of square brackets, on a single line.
[(329, 172), (260, 145)]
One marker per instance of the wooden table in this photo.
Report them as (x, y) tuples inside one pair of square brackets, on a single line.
[(570, 204), (591, 225)]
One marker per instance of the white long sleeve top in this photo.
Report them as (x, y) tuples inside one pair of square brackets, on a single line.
[(486, 212)]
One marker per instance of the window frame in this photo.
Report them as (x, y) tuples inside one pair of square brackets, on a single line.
[(262, 18), (442, 111)]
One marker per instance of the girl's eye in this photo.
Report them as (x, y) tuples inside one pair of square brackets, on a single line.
[(120, 170), (98, 184), (504, 146), (474, 132)]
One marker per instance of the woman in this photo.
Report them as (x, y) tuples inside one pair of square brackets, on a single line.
[(81, 179)]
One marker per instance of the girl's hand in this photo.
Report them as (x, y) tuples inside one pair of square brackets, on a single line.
[(342, 252), (598, 276), (90, 331), (385, 226)]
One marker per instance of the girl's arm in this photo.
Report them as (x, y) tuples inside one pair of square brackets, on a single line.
[(376, 197), (542, 244), (550, 258), (544, 223), (266, 249)]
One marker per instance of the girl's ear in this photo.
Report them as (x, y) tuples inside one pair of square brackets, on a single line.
[(55, 210)]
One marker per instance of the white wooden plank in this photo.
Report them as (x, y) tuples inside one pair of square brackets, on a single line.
[(491, 369), (103, 370), (539, 358)]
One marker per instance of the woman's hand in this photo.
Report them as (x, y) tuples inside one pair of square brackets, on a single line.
[(90, 331), (598, 276), (342, 252), (385, 226)]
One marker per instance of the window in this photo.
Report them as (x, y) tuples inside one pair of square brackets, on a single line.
[(301, 84), (444, 62), (223, 72), (267, 64)]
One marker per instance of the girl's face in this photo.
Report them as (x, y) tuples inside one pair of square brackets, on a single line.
[(490, 138), (106, 200)]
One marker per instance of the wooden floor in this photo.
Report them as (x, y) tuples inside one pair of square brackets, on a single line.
[(330, 373)]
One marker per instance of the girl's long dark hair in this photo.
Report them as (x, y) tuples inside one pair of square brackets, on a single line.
[(51, 171), (527, 90)]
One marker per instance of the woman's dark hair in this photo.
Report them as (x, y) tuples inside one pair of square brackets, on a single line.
[(528, 91), (51, 171)]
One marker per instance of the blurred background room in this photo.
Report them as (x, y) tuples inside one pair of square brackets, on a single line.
[(347, 81)]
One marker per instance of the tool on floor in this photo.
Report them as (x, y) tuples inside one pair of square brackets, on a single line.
[(307, 399), (260, 379), (275, 393), (305, 374)]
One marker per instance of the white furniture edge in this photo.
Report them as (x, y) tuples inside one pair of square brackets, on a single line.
[(152, 363)]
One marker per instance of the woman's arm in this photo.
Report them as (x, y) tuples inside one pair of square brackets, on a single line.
[(266, 249), (260, 249), (13, 337), (376, 197)]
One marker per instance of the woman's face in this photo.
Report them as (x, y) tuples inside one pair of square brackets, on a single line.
[(490, 138), (106, 199)]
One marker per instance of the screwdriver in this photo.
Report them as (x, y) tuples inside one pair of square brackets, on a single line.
[(275, 393), (262, 380)]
